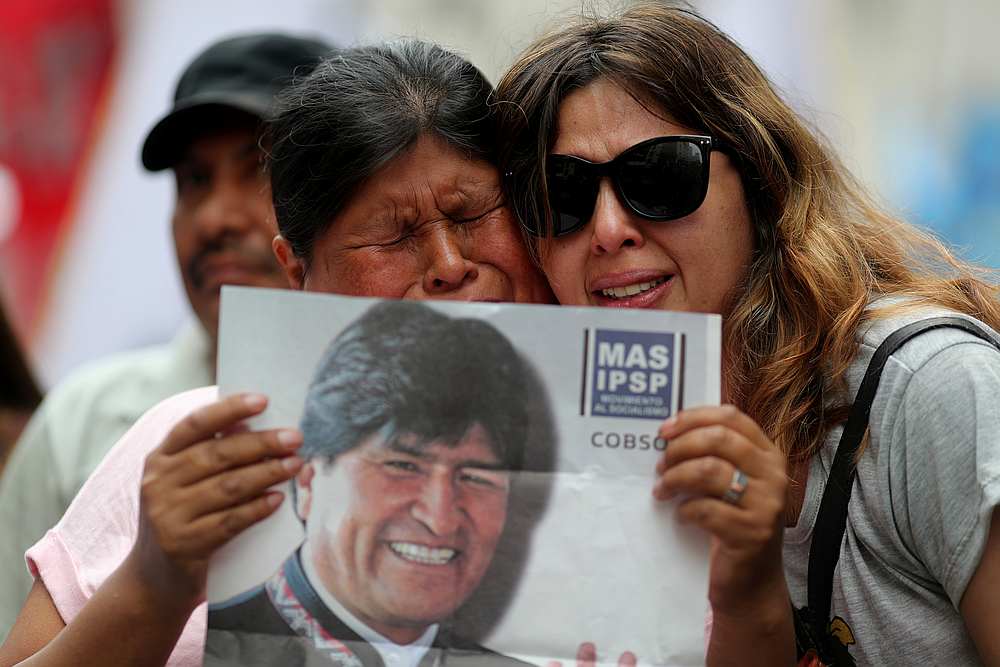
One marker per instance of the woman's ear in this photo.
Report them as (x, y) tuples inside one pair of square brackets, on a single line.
[(293, 265), (303, 491)]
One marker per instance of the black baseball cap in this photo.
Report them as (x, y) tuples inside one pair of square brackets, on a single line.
[(242, 73)]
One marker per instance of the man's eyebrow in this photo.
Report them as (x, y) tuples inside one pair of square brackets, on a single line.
[(190, 157), (422, 454), (498, 466), (410, 450)]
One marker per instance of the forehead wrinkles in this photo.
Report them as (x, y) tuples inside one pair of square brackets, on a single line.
[(433, 200)]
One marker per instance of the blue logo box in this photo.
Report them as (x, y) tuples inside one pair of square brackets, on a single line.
[(633, 374)]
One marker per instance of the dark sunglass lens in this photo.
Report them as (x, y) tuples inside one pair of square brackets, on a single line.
[(572, 193), (664, 179)]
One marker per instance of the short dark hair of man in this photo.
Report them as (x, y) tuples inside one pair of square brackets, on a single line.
[(403, 368), (354, 113)]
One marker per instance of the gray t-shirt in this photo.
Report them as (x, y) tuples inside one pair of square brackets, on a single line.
[(920, 511)]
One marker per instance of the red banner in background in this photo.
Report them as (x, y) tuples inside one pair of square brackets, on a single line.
[(55, 66)]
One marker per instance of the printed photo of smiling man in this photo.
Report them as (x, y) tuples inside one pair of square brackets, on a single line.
[(415, 427)]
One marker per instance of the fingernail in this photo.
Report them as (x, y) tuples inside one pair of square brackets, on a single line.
[(289, 438), (255, 401), (658, 491), (292, 463), (667, 426), (275, 499)]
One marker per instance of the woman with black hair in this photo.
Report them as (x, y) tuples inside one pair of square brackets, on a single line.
[(384, 184)]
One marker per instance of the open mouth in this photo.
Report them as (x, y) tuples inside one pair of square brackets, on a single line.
[(633, 289), (424, 555)]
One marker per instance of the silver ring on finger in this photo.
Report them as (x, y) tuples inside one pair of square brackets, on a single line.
[(737, 487)]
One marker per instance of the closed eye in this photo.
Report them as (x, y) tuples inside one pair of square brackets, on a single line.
[(465, 219), (397, 242), (404, 240)]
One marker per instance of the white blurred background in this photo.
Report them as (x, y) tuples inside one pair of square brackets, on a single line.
[(907, 90)]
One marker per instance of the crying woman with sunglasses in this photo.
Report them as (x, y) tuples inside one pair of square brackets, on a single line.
[(674, 177)]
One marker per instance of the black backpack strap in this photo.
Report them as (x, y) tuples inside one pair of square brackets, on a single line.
[(828, 533)]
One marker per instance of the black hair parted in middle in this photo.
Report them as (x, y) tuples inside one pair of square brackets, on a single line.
[(404, 369), (354, 113)]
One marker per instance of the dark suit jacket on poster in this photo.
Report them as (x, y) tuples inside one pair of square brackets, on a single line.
[(285, 622)]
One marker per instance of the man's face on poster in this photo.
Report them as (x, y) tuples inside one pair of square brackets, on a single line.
[(401, 532)]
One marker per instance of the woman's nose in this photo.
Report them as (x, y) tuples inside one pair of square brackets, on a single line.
[(448, 268), (613, 225)]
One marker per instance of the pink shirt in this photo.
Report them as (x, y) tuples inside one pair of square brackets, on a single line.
[(97, 532)]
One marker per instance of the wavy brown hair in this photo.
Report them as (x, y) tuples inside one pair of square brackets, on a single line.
[(823, 248)]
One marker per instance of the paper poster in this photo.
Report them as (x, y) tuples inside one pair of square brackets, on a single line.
[(477, 487)]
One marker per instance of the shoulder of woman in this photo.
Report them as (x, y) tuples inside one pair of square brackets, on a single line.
[(124, 460), (97, 530), (940, 386), (944, 375), (924, 347)]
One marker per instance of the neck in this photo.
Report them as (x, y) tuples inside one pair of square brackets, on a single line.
[(213, 363), (396, 634), (211, 343)]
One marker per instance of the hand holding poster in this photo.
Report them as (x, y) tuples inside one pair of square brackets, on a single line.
[(477, 486)]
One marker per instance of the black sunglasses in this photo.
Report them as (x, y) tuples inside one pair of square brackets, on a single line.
[(663, 178)]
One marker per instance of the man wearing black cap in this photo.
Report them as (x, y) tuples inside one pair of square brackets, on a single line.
[(223, 222), (223, 225)]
